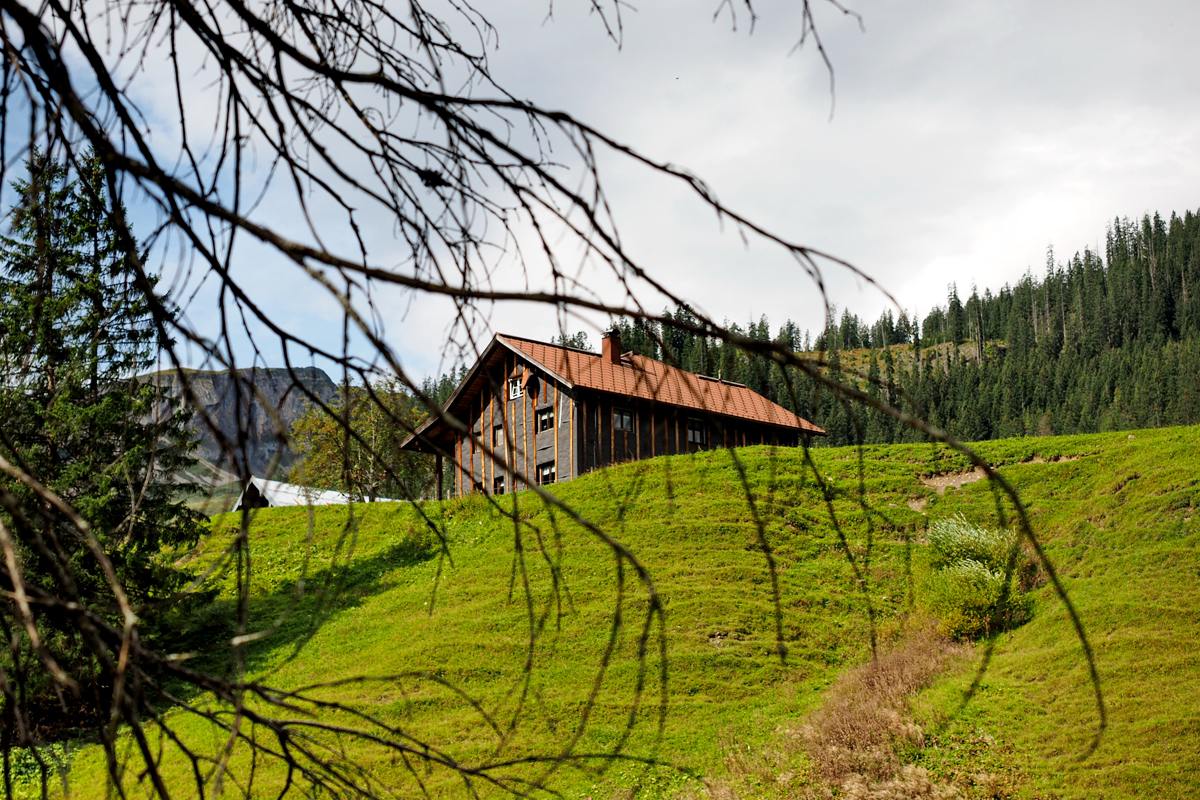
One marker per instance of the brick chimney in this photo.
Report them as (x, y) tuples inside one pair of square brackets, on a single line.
[(610, 347)]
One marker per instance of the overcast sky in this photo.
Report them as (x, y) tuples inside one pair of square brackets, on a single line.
[(965, 139)]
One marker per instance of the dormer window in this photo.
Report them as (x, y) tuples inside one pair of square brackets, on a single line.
[(515, 390)]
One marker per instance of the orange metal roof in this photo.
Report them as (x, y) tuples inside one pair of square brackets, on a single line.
[(645, 378)]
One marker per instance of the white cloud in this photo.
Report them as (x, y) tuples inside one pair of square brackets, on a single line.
[(966, 139)]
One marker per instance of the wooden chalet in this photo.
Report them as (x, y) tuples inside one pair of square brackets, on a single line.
[(549, 413)]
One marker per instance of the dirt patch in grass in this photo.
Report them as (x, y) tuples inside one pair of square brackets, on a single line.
[(860, 743), (1039, 459), (946, 480), (940, 483)]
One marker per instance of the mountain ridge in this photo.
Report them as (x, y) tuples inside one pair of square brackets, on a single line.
[(263, 402)]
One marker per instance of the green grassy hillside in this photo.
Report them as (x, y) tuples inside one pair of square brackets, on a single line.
[(1122, 528), (1116, 514)]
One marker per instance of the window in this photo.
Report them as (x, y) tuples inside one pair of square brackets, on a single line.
[(622, 419), (498, 485), (515, 389), (545, 420), (497, 437), (696, 432), (545, 473)]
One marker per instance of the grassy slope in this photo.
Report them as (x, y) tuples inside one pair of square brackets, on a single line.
[(859, 359), (1126, 547), (1121, 526)]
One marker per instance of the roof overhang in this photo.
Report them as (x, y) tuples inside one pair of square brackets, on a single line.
[(802, 425)]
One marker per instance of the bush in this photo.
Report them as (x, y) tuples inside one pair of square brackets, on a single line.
[(955, 540), (26, 772), (967, 588), (966, 597)]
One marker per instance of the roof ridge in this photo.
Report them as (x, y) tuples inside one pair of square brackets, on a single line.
[(650, 379), (579, 350)]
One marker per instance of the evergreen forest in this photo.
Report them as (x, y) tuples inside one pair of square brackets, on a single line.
[(1099, 342)]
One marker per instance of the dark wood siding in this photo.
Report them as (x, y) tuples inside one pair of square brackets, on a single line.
[(645, 412), (583, 437), (600, 431), (519, 448)]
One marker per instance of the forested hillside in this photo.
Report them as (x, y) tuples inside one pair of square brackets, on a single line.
[(1095, 343)]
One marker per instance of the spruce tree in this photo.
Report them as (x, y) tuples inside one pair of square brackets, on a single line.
[(75, 333)]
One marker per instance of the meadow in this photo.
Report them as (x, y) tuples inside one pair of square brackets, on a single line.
[(524, 636)]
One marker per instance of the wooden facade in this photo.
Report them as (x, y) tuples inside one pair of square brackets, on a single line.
[(530, 423), (509, 427)]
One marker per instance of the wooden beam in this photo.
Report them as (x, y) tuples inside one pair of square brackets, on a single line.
[(557, 421), (490, 438), (505, 416), (612, 434), (525, 432), (637, 432)]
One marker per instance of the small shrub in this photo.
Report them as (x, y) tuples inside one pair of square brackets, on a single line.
[(26, 772)]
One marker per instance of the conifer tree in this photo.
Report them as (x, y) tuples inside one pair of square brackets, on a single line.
[(74, 336), (1096, 343)]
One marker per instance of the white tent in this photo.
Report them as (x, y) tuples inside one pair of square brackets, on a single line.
[(262, 493)]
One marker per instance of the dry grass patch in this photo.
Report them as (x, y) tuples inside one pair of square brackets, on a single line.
[(859, 736), (913, 783), (862, 742)]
